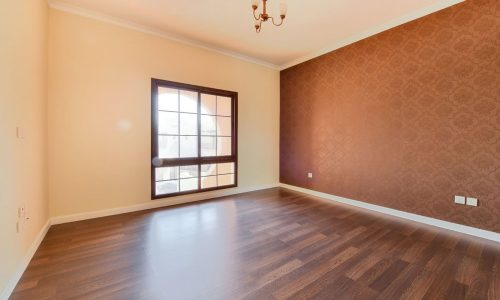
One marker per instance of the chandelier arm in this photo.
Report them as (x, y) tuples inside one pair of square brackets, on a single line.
[(256, 17), (277, 24), (260, 27)]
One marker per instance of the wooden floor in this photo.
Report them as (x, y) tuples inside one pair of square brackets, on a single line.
[(271, 244)]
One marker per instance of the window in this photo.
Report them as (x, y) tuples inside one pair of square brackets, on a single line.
[(194, 139)]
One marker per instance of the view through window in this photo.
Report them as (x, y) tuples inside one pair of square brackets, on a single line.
[(193, 139)]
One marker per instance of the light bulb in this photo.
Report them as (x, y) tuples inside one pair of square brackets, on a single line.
[(283, 8), (255, 3)]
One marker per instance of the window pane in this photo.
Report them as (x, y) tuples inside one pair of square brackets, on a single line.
[(192, 127), (225, 168), (189, 124), (224, 126), (208, 182), (168, 122), (188, 101), (189, 171), (189, 146), (167, 187), (223, 146), (225, 180), (207, 170), (208, 104), (208, 145), (189, 184), (168, 99), (208, 125), (168, 146), (167, 173), (223, 106)]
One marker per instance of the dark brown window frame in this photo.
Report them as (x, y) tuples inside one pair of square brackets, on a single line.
[(155, 84)]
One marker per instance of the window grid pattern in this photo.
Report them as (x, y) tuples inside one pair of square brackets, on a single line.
[(201, 139)]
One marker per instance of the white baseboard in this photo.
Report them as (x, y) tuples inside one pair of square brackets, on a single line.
[(11, 284), (14, 279), (158, 203), (485, 234)]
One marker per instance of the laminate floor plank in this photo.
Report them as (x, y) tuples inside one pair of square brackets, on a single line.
[(269, 244)]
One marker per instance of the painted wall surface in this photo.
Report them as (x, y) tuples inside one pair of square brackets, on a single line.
[(23, 97), (100, 114), (405, 119)]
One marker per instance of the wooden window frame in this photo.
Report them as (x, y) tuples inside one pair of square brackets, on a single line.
[(171, 162)]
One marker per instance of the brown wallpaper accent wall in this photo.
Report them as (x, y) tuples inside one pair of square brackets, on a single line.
[(404, 119)]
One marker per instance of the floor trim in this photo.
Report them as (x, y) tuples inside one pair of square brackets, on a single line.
[(14, 279), (158, 203), (485, 234), (11, 284)]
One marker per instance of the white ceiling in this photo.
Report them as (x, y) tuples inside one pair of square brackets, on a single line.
[(311, 28)]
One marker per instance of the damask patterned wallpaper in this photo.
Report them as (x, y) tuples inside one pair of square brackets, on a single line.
[(404, 119)]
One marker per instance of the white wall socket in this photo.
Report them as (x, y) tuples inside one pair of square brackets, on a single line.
[(20, 225), (21, 213), (459, 199), (309, 175), (19, 132), (471, 201), (21, 219)]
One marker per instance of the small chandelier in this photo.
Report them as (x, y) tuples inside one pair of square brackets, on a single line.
[(264, 16)]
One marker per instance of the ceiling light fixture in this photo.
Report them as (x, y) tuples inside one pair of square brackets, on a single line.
[(264, 16)]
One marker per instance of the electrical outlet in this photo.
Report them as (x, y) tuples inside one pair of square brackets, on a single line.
[(20, 225), (21, 218), (459, 200), (471, 201), (309, 175), (21, 213), (19, 132)]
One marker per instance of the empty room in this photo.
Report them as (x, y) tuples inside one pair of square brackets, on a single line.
[(249, 149)]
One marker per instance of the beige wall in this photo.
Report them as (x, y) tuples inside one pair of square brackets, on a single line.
[(99, 111), (23, 70)]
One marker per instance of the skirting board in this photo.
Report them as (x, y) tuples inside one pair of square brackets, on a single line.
[(158, 203), (485, 234), (11, 284), (14, 279), (7, 291)]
